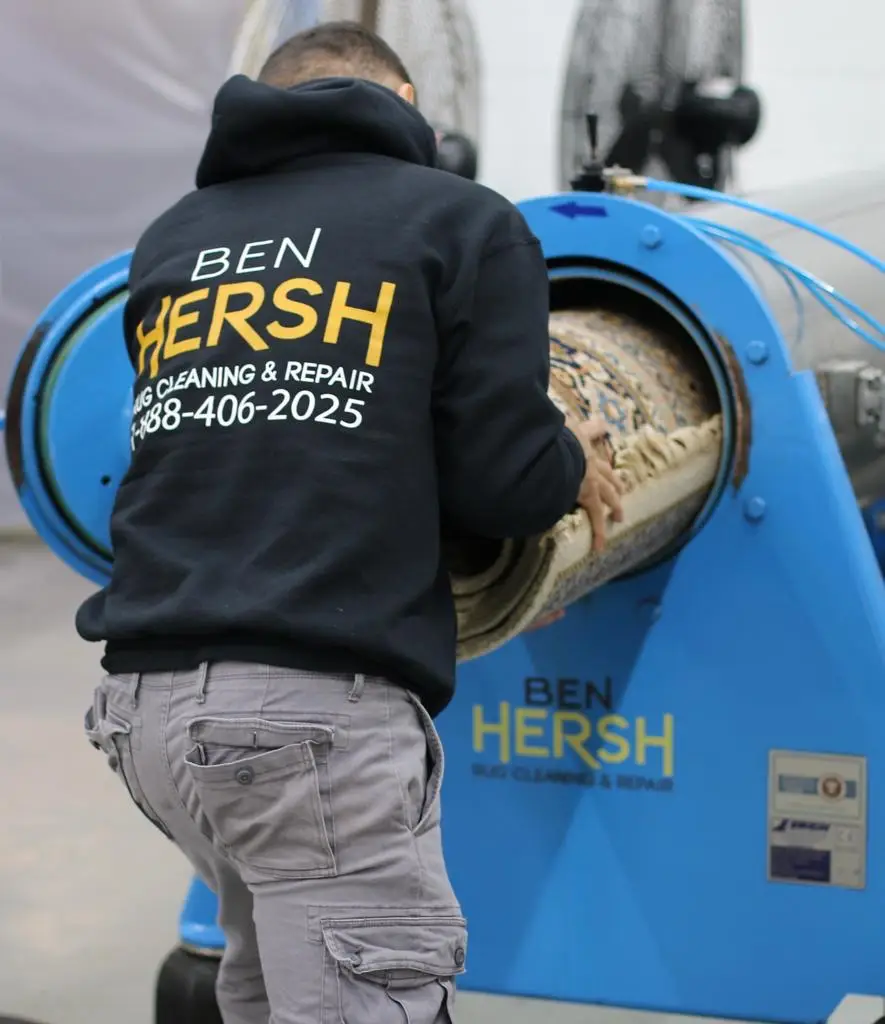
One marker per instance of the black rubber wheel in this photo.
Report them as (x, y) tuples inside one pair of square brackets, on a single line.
[(186, 990)]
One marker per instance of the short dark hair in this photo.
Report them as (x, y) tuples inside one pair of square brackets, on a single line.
[(334, 49)]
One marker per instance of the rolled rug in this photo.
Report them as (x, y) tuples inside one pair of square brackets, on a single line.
[(655, 393)]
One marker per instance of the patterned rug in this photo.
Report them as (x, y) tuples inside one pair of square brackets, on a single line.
[(652, 388)]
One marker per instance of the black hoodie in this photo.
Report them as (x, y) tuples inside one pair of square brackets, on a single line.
[(342, 353)]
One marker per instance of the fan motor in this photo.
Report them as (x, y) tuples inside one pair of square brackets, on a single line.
[(457, 154), (709, 121)]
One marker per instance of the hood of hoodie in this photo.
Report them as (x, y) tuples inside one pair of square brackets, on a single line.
[(257, 128)]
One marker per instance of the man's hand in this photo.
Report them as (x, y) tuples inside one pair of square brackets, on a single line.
[(600, 492)]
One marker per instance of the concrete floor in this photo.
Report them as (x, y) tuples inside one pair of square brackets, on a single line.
[(89, 893)]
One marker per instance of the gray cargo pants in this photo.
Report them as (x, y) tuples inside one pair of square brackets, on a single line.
[(311, 805)]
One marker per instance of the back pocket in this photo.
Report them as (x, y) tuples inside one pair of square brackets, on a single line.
[(265, 791)]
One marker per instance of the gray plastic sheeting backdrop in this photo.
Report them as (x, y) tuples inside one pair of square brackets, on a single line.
[(103, 111)]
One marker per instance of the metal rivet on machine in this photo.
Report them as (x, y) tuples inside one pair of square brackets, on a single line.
[(245, 776), (651, 236), (757, 352), (754, 509)]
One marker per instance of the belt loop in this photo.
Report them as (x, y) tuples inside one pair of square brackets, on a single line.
[(356, 691), (135, 689), (201, 682)]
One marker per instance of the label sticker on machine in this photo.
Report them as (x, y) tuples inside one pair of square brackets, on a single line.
[(817, 819)]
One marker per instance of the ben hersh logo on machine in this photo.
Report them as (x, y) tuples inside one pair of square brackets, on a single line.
[(567, 731)]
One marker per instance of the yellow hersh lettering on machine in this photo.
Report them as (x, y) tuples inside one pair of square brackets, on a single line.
[(556, 734), (196, 319)]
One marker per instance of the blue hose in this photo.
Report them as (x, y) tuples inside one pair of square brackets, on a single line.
[(822, 292), (693, 192), (818, 289), (740, 240)]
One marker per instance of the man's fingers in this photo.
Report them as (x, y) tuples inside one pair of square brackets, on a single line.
[(610, 488), (602, 487), (612, 498), (608, 473), (595, 428), (601, 498), (595, 509)]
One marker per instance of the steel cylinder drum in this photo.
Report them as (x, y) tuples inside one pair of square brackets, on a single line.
[(850, 206), (853, 207)]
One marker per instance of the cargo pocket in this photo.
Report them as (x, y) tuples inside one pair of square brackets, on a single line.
[(395, 970), (265, 791), (429, 816), (112, 735)]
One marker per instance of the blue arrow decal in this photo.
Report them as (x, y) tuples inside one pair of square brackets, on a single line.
[(573, 209)]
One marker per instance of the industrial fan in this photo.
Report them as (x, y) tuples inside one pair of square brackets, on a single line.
[(435, 38), (265, 25), (664, 78)]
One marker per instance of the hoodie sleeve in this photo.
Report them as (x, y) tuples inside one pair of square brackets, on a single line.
[(508, 466)]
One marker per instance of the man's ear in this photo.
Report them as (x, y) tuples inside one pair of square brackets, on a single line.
[(407, 92)]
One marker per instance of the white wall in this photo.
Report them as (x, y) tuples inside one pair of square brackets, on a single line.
[(818, 65), (522, 43)]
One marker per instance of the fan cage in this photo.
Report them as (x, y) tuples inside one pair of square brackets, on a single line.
[(655, 46)]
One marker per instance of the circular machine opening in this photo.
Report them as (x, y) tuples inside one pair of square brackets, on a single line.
[(648, 329), (644, 332)]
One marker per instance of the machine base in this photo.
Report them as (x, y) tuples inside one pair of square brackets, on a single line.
[(186, 989)]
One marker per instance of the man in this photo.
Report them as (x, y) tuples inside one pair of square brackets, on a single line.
[(342, 355)]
